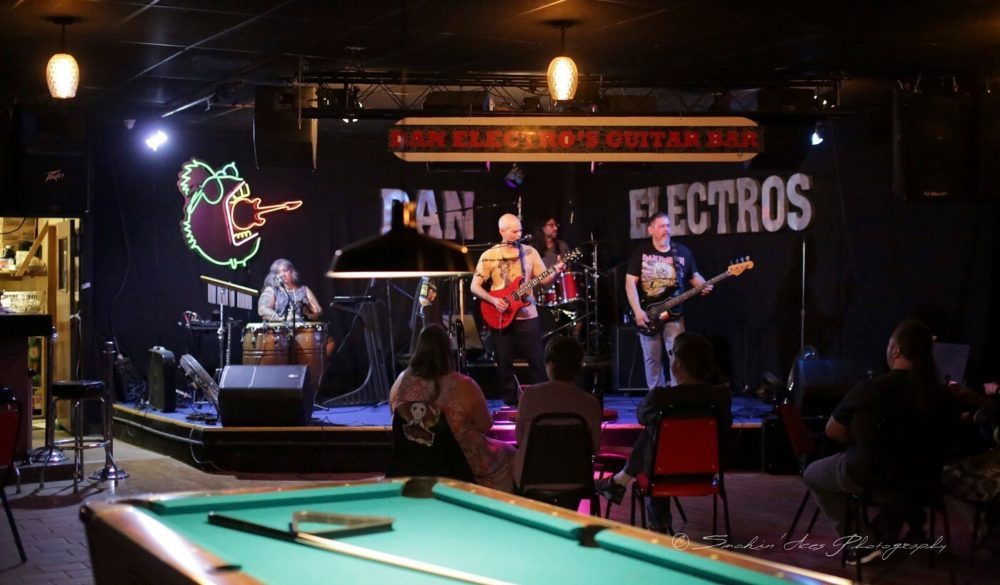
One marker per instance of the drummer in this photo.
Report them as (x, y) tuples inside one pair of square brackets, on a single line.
[(549, 245), (284, 298)]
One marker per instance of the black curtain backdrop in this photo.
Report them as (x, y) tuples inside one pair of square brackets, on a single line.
[(871, 259)]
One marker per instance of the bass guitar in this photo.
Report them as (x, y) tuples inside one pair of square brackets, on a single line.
[(516, 294), (659, 313)]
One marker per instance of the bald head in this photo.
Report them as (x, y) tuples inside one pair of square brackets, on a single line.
[(510, 227)]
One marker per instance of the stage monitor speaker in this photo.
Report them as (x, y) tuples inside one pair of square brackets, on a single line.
[(934, 146), (274, 396), (160, 379), (820, 384), (629, 371), (279, 140), (48, 162)]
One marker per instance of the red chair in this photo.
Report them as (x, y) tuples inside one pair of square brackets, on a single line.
[(10, 429), (804, 448), (685, 462)]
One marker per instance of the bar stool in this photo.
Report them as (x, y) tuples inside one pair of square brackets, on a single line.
[(76, 392)]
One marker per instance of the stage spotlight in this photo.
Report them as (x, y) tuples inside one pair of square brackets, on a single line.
[(514, 177), (157, 139), (817, 135)]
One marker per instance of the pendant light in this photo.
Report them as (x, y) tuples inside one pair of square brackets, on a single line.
[(562, 74), (63, 73), (402, 252)]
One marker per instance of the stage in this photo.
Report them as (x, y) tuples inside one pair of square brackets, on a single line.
[(358, 438)]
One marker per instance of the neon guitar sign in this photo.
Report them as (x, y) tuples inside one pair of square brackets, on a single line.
[(222, 220)]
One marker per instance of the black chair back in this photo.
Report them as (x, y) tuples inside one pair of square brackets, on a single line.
[(423, 444), (558, 460)]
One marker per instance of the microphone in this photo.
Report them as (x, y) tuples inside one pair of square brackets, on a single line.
[(523, 239)]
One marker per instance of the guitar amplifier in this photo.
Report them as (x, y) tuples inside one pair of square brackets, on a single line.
[(160, 378), (629, 370)]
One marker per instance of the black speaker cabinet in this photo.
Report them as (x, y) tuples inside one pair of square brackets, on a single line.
[(267, 396), (629, 372), (48, 162), (934, 146), (279, 140), (160, 379)]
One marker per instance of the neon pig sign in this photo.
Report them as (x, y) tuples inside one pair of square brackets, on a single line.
[(221, 220)]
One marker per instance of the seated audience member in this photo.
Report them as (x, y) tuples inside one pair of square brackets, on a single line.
[(693, 366), (431, 378), (563, 361), (898, 428), (976, 479)]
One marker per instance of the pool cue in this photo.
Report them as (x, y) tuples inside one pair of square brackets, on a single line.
[(352, 550)]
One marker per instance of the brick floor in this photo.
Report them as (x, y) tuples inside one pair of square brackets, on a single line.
[(761, 506)]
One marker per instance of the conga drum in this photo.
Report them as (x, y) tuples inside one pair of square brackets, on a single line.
[(309, 348), (265, 343)]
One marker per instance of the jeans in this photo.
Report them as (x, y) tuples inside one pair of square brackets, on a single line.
[(653, 349)]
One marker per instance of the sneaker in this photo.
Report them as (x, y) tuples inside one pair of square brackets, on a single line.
[(858, 556), (611, 491)]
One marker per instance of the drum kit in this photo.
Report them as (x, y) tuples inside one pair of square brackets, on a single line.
[(568, 306)]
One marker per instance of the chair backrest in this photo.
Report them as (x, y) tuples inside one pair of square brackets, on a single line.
[(10, 431), (424, 445), (559, 453), (799, 435), (686, 443)]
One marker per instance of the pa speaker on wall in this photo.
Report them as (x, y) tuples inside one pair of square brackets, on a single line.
[(268, 396), (160, 379), (934, 146), (48, 162), (629, 371), (280, 137)]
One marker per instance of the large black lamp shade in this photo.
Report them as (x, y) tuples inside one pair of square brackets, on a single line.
[(402, 252)]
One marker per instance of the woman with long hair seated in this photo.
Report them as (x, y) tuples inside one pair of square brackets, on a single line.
[(431, 378)]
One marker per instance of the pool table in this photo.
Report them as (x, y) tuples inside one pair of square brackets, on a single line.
[(430, 527)]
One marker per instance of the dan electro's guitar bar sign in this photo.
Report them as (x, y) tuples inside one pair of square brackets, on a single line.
[(576, 139)]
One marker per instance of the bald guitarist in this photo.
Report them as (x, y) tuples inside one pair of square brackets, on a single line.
[(501, 265), (657, 270)]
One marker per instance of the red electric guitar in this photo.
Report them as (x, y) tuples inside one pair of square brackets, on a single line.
[(516, 294)]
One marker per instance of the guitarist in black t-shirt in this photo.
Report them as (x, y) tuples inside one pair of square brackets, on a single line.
[(657, 270)]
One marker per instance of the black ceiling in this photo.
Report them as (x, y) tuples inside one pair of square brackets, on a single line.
[(163, 53)]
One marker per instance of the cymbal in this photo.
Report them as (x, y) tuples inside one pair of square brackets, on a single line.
[(595, 241)]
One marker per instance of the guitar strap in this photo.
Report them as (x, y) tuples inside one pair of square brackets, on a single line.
[(679, 270), (524, 272)]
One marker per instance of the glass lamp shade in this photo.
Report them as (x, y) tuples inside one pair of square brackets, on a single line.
[(63, 76), (402, 252), (562, 76)]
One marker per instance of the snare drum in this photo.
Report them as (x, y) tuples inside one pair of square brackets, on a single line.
[(566, 283)]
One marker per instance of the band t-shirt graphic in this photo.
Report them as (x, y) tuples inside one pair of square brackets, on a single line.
[(661, 274), (501, 265)]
